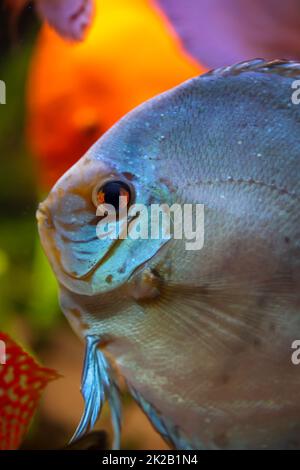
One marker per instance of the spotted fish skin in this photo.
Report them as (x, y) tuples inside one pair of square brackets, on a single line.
[(22, 382), (210, 353)]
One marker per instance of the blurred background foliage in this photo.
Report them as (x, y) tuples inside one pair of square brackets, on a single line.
[(18, 193), (21, 295)]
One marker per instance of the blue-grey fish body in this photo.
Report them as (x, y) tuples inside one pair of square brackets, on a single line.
[(202, 337)]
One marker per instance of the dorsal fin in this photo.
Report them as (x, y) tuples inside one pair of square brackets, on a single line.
[(285, 68)]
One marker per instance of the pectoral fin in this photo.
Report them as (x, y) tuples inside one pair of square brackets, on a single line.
[(98, 385)]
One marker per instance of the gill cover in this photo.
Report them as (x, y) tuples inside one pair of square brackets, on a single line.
[(84, 262)]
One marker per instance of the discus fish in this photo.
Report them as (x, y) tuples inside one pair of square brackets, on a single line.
[(203, 338)]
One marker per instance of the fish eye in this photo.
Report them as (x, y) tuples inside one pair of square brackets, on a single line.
[(111, 192)]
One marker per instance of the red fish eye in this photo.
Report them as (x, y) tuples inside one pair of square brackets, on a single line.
[(111, 192)]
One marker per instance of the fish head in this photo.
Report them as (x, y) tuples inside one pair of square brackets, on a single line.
[(92, 252)]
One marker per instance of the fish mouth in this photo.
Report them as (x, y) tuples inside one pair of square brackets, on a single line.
[(43, 215), (46, 227)]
